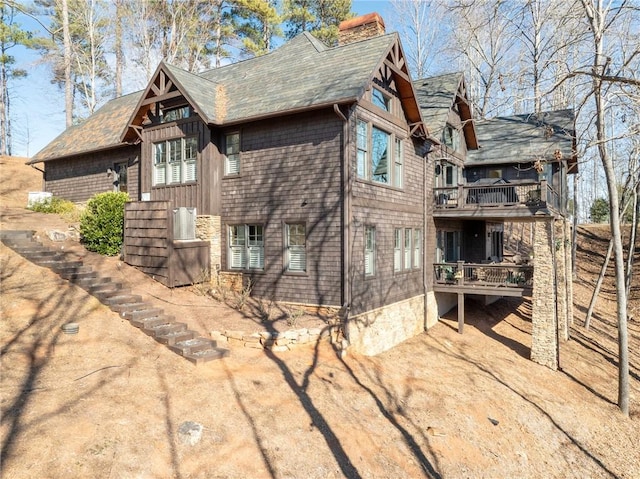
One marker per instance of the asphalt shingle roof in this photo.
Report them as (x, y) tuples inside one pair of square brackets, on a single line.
[(436, 96), (100, 131), (302, 74), (524, 138)]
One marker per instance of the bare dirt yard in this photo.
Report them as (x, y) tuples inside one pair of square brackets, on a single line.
[(110, 402)]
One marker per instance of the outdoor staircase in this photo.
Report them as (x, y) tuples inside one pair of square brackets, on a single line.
[(141, 314)]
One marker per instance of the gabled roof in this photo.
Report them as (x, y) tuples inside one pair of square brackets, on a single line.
[(526, 138), (303, 74), (437, 96), (100, 131)]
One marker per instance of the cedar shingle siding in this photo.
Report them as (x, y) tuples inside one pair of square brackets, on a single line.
[(291, 172), (80, 177)]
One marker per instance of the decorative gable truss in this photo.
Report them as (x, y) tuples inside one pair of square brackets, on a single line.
[(392, 76), (163, 92)]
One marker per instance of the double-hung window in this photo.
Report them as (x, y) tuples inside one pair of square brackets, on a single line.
[(379, 155), (175, 161), (397, 249), (246, 247), (369, 250), (296, 247), (232, 153), (407, 249)]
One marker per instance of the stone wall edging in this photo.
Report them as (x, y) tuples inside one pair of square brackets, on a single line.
[(278, 341)]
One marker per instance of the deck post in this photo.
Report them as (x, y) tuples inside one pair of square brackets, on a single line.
[(460, 312)]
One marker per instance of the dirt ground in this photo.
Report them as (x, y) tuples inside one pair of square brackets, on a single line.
[(109, 402)]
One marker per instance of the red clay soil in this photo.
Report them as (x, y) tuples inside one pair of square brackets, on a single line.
[(109, 401)]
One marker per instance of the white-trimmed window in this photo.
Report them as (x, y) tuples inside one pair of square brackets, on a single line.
[(246, 247), (407, 248), (379, 155), (296, 247), (417, 248), (397, 249), (232, 153), (369, 250), (407, 251), (398, 165), (175, 161)]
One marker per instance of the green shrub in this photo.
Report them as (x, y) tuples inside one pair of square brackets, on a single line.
[(53, 205), (101, 225)]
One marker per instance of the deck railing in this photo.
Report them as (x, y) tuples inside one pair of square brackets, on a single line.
[(472, 196), (492, 275)]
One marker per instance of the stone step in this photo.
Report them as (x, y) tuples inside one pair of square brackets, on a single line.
[(54, 263), (142, 313), (129, 307), (106, 290), (77, 277), (35, 254), (10, 235), (193, 345), (161, 329), (151, 321), (172, 338), (65, 271), (89, 281), (206, 355), (122, 299)]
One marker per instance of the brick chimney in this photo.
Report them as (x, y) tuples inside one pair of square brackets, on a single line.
[(360, 28)]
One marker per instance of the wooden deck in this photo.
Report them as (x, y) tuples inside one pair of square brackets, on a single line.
[(495, 279), (505, 200)]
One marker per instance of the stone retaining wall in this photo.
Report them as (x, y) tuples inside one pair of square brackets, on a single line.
[(276, 341)]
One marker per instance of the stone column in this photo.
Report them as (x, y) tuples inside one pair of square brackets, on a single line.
[(544, 335), (209, 228), (561, 278)]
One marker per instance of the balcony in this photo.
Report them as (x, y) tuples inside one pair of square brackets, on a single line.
[(494, 279), (493, 198)]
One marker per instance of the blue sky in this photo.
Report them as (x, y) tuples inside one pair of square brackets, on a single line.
[(38, 106)]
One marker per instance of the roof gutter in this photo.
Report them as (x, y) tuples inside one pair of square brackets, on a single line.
[(63, 157), (292, 111)]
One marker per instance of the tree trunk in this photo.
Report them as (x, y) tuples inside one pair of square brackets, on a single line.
[(68, 83), (118, 48), (633, 235), (596, 291)]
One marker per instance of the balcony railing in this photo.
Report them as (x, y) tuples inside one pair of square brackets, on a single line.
[(473, 196), (488, 275)]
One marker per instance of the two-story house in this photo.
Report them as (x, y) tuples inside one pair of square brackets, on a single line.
[(322, 175)]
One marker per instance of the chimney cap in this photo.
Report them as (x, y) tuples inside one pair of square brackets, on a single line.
[(361, 20)]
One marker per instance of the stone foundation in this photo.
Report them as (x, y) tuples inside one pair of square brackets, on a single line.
[(381, 329), (544, 334), (562, 278)]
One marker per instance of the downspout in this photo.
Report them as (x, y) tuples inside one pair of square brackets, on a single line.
[(346, 220), (424, 232)]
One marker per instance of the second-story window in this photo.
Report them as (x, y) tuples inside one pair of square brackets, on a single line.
[(451, 138), (175, 161), (175, 113), (379, 155), (232, 153)]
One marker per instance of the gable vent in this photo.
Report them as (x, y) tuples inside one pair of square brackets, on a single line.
[(184, 223)]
